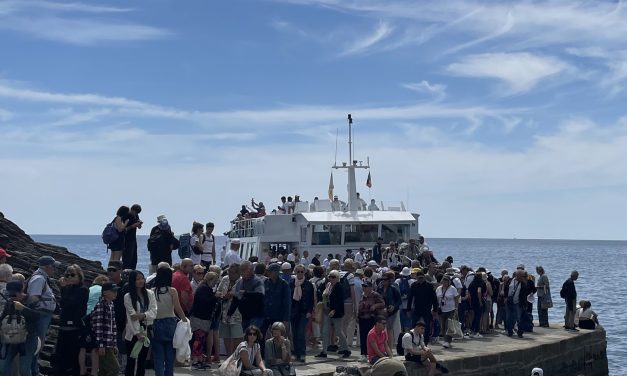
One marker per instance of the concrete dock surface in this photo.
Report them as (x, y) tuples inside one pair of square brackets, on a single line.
[(557, 351)]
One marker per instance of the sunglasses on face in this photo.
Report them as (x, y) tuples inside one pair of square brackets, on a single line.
[(332, 277), (252, 334), (70, 275), (300, 272)]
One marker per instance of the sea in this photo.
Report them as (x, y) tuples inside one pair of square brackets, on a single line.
[(600, 265)]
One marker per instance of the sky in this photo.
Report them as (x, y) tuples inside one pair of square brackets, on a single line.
[(490, 119)]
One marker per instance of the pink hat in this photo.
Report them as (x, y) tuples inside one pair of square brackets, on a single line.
[(4, 253)]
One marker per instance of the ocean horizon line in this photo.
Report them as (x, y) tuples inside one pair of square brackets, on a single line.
[(431, 237)]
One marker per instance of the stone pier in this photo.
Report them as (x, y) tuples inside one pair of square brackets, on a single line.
[(556, 351)]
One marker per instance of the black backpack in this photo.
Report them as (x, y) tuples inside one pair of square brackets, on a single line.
[(399, 343), (346, 287)]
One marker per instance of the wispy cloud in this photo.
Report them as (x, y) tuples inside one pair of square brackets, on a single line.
[(424, 87), (243, 118), (68, 23), (521, 71), (362, 45)]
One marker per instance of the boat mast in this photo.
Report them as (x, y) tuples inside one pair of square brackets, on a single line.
[(353, 203)]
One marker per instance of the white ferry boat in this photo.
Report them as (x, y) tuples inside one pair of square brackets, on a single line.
[(324, 226)]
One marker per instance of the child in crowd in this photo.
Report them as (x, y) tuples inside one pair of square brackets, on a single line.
[(103, 324)]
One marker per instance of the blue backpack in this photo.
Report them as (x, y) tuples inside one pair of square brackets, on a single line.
[(404, 287), (110, 234), (185, 249)]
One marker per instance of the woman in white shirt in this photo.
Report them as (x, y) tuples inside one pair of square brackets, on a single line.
[(448, 298), (141, 310), (587, 317), (248, 353)]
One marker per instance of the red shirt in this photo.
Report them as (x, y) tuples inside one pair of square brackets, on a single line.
[(380, 338), (182, 285)]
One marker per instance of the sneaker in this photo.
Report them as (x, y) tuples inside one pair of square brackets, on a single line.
[(321, 355), (446, 345), (332, 348), (363, 359), (476, 335), (199, 366), (345, 353), (520, 334)]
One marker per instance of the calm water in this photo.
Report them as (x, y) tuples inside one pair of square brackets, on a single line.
[(596, 261)]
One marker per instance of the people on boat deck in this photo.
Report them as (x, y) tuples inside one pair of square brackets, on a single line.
[(361, 203), (373, 205)]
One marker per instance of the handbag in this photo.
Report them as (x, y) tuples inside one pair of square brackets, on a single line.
[(230, 367), (163, 329), (547, 302), (454, 327), (319, 312)]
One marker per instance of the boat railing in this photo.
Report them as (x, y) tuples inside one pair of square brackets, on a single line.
[(246, 228)]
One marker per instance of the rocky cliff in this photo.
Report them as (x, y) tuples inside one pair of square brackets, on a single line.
[(25, 252)]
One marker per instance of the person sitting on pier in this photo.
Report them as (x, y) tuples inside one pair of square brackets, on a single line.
[(586, 317), (378, 344), (373, 206), (416, 351)]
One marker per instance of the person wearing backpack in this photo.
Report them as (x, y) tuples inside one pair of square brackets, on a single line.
[(129, 254), (392, 297), (12, 296), (41, 299), (404, 283), (569, 294), (120, 223), (347, 280), (161, 243), (73, 303), (415, 349)]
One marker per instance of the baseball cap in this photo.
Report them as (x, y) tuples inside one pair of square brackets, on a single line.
[(48, 260), (4, 253), (109, 286), (274, 267), (537, 372), (286, 266)]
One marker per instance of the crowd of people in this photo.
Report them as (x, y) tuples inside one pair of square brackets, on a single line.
[(266, 311)]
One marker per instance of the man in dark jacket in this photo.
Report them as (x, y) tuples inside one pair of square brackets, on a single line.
[(250, 294), (516, 302), (161, 243), (569, 294), (277, 301), (424, 302), (376, 250)]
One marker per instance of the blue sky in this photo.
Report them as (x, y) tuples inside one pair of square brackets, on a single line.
[(492, 119)]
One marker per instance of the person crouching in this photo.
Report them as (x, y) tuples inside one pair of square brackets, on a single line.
[(416, 350), (103, 324)]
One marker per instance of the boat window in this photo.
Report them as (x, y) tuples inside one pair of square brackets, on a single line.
[(327, 235), (303, 234), (360, 233), (394, 232)]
